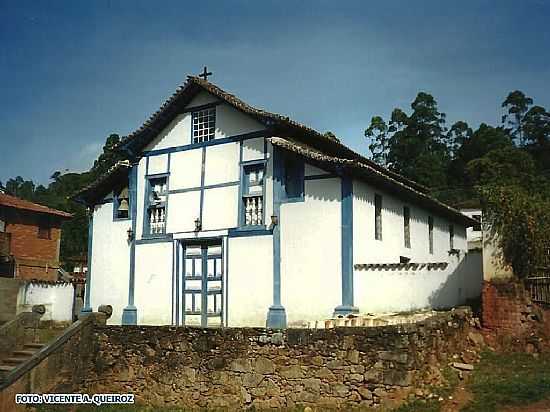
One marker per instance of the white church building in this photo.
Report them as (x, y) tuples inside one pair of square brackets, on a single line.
[(224, 214)]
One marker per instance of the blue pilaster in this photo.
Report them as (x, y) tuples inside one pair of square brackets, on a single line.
[(87, 308), (129, 314), (347, 248), (276, 316)]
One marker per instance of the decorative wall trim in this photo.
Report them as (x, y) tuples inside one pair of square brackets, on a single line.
[(241, 232), (214, 142), (197, 188), (321, 176), (154, 239)]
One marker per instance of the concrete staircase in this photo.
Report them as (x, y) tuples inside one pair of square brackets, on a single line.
[(17, 357)]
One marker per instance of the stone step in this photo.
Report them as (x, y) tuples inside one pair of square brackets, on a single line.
[(33, 345), (24, 353), (6, 368), (14, 361)]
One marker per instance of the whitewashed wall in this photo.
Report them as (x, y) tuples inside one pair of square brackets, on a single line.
[(57, 299), (249, 285), (369, 250), (407, 290), (401, 290), (153, 283), (110, 262), (311, 253), (229, 122)]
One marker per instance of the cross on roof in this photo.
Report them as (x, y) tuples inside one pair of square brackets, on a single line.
[(205, 73)]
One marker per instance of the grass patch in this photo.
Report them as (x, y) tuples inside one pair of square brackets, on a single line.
[(507, 380)]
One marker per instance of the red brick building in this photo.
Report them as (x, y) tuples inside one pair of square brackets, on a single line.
[(30, 236)]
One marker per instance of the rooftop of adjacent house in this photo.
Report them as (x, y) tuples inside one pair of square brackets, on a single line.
[(284, 132), (17, 203)]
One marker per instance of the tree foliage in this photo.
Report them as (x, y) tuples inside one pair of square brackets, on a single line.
[(74, 235), (505, 168)]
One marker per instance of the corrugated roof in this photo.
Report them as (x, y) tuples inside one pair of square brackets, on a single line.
[(16, 203)]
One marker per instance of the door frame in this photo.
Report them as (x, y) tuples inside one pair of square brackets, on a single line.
[(180, 280)]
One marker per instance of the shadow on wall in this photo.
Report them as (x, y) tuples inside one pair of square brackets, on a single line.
[(463, 284)]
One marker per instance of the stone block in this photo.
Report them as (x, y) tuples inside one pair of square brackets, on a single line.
[(263, 366), (292, 372)]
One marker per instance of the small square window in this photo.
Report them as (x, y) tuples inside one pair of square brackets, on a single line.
[(204, 125)]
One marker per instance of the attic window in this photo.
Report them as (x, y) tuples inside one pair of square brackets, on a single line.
[(204, 125)]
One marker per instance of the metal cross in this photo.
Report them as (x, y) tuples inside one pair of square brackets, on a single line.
[(205, 73)]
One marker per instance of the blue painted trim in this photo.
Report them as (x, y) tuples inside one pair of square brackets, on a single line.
[(197, 188), (253, 162), (242, 232), (322, 176), (129, 314), (177, 293), (157, 175), (146, 166), (87, 308), (243, 187), (203, 170), (346, 211), (226, 284), (214, 142), (154, 239), (276, 315), (173, 283)]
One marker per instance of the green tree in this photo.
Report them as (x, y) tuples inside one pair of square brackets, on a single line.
[(414, 146), (516, 105), (377, 132)]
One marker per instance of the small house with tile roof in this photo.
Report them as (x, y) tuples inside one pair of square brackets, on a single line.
[(228, 215), (30, 236)]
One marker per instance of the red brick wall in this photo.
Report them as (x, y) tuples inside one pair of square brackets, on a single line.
[(505, 306), (36, 258)]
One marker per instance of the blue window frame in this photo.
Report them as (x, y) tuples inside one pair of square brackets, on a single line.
[(252, 204), (293, 178), (121, 204), (156, 206)]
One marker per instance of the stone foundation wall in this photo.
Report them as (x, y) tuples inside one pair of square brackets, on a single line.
[(245, 367)]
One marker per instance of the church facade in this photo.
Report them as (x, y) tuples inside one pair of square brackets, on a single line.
[(224, 214)]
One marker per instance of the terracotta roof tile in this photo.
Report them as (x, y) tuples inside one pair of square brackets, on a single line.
[(16, 203)]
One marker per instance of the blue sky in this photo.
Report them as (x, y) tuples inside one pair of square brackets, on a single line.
[(73, 72)]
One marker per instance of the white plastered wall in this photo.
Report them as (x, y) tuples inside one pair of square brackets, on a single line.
[(57, 299), (221, 164), (153, 283), (229, 122), (110, 262), (249, 280), (311, 253), (376, 291)]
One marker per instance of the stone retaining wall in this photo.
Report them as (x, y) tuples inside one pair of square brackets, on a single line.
[(241, 368)]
